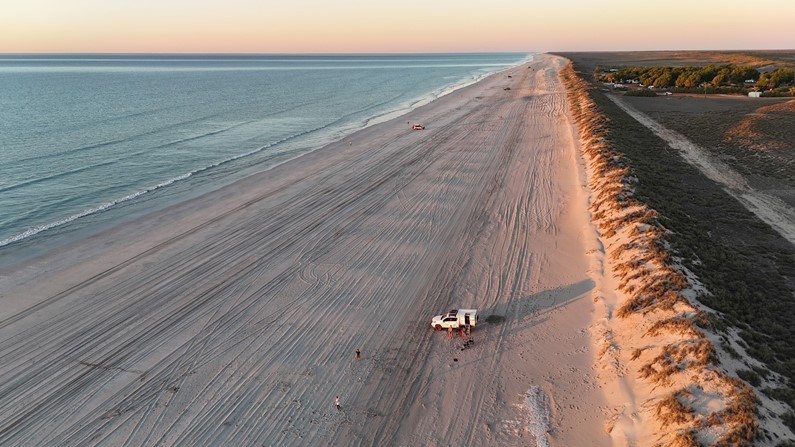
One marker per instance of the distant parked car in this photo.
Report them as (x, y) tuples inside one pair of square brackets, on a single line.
[(418, 127)]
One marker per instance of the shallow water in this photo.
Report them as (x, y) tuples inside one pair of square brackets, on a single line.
[(89, 135)]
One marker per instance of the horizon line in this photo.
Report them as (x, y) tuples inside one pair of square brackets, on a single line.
[(232, 53), (273, 53)]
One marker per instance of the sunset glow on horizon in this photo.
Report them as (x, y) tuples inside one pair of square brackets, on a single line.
[(350, 26)]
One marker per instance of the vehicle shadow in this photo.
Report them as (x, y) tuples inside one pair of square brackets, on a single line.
[(516, 315), (531, 309)]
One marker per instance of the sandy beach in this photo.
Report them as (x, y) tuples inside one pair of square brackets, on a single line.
[(233, 319)]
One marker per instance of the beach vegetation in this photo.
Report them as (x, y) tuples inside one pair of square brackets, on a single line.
[(644, 92), (779, 92), (671, 409), (789, 420), (677, 324), (684, 438), (750, 376), (783, 394)]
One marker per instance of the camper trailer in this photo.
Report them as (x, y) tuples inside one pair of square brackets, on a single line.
[(455, 318)]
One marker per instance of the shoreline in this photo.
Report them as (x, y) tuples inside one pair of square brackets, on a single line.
[(93, 220), (233, 317)]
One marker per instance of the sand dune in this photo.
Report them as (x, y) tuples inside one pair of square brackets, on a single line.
[(665, 377), (233, 319)]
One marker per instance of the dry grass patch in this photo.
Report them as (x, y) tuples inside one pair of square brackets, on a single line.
[(683, 438), (740, 415), (678, 324), (671, 409), (657, 294), (637, 353), (678, 357)]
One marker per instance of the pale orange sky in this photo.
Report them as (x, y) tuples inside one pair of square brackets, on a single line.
[(342, 26)]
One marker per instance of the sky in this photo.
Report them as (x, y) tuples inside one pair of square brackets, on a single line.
[(390, 26)]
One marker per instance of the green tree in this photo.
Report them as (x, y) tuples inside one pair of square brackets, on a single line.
[(706, 74), (721, 78), (693, 80), (664, 80), (783, 76), (681, 80), (741, 73), (775, 78)]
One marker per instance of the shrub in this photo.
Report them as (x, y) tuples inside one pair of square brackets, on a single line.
[(641, 92), (789, 420), (779, 92), (750, 376), (685, 438)]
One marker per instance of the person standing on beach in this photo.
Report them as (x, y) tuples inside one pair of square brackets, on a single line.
[(337, 403), (358, 355)]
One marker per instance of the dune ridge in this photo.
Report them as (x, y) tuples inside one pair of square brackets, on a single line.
[(662, 369)]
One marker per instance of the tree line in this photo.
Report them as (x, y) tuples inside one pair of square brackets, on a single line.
[(690, 77)]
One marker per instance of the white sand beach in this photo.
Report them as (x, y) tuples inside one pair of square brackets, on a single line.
[(233, 319)]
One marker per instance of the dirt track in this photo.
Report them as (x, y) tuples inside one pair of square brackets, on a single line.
[(769, 208), (233, 319)]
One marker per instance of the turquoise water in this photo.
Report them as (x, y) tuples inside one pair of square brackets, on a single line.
[(85, 137)]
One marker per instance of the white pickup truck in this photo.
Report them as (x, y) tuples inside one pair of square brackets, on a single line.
[(455, 319)]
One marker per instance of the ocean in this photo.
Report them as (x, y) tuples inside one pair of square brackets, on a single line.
[(87, 140)]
